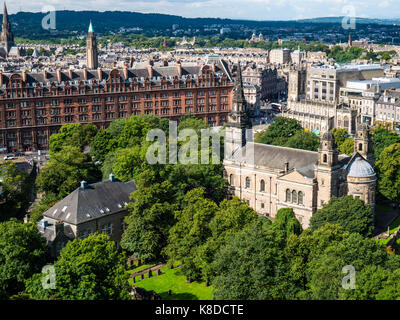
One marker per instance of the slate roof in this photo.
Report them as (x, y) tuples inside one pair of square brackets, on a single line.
[(94, 201), (275, 157)]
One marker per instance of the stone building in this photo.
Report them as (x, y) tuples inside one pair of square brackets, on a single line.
[(98, 207), (314, 95), (272, 177)]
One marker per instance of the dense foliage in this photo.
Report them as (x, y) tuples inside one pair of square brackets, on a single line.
[(351, 213), (88, 269)]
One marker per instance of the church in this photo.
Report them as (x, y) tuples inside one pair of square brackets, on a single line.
[(272, 177)]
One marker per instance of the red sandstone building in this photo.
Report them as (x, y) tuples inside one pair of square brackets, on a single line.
[(35, 105)]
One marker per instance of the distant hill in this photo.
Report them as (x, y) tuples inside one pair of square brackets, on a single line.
[(29, 24)]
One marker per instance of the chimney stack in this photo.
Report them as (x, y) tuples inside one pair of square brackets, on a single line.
[(150, 69), (286, 167), (179, 67), (44, 74), (131, 62), (24, 75), (1, 79), (70, 74), (59, 75), (85, 77), (125, 71), (100, 74)]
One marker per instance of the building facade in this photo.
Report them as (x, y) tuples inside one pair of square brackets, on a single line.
[(271, 177), (98, 207), (35, 105)]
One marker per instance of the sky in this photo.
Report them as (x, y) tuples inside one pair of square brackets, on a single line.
[(234, 9)]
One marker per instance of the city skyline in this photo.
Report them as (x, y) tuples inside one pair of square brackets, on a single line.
[(231, 9)]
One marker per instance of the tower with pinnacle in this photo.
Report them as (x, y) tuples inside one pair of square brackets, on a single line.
[(238, 120), (92, 61), (6, 37)]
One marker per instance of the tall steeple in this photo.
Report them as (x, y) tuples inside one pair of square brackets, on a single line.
[(6, 37), (238, 120), (238, 116), (92, 61)]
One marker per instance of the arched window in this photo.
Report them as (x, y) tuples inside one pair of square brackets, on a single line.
[(300, 197), (288, 195), (346, 122), (325, 158), (247, 182), (262, 185), (231, 180), (294, 196), (360, 147)]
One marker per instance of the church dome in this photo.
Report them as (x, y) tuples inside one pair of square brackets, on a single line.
[(360, 168)]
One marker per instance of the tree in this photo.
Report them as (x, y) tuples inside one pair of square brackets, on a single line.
[(303, 140), (151, 217), (285, 220), (383, 138), (388, 170), (87, 269), (46, 202), (340, 135), (65, 170), (72, 134), (16, 190), (251, 266), (102, 144), (190, 231), (351, 213), (279, 131), (232, 216), (22, 253), (347, 147)]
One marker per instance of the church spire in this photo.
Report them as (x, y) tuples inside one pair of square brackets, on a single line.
[(5, 15), (239, 101), (7, 37), (90, 27)]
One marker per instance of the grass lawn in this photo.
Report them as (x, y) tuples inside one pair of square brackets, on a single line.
[(140, 268), (175, 281), (395, 224)]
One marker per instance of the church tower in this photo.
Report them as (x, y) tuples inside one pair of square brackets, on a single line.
[(91, 50), (327, 170), (238, 121), (6, 37), (363, 144)]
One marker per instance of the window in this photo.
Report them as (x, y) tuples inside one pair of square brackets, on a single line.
[(325, 158), (294, 196), (231, 180), (360, 147), (300, 197), (288, 195), (247, 182), (262, 185)]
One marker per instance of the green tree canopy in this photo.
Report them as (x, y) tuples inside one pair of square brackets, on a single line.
[(279, 131), (383, 138), (23, 252), (351, 213), (303, 140), (87, 269), (388, 170)]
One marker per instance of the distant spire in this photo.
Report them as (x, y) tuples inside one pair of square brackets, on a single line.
[(239, 97), (5, 14), (91, 27)]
